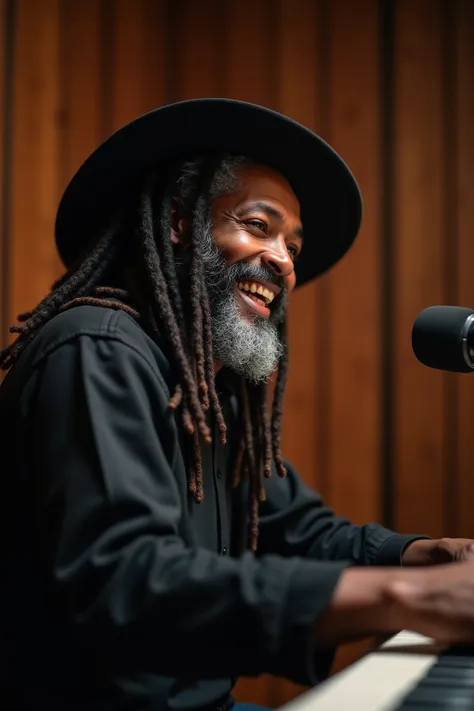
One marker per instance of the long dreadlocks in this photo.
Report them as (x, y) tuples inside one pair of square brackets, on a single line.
[(151, 294)]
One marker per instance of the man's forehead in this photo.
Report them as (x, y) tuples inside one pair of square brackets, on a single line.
[(261, 182)]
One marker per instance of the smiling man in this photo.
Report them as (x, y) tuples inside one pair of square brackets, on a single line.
[(249, 249), (155, 543)]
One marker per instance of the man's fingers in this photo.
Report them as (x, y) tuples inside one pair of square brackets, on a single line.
[(466, 553)]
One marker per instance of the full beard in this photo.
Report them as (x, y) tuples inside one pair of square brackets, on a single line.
[(247, 344)]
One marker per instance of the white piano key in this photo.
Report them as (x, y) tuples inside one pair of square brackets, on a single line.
[(377, 682)]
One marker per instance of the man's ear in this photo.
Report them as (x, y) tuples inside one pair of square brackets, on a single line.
[(178, 224)]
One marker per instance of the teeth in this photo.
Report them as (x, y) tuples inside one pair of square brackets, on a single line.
[(269, 295), (257, 289)]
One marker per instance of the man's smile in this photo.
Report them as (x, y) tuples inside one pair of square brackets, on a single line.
[(257, 295)]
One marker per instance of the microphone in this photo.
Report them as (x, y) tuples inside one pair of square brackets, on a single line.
[(443, 338)]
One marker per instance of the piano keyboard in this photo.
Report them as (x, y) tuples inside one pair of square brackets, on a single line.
[(406, 673)]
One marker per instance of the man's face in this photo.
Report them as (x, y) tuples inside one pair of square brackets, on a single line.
[(248, 257), (259, 226)]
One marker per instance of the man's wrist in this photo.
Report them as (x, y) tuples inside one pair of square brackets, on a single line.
[(361, 606), (417, 553)]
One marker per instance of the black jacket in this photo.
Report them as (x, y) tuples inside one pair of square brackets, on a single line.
[(120, 592)]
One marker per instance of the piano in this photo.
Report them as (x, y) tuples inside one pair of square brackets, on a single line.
[(408, 672)]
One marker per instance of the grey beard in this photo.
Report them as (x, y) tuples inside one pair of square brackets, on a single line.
[(250, 346)]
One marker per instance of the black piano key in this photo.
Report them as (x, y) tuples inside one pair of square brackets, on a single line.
[(447, 686), (459, 650), (462, 675), (451, 679), (450, 670), (456, 661), (407, 706), (447, 682), (435, 698), (455, 675)]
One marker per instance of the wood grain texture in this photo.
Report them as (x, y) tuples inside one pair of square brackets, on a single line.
[(197, 50), (249, 29), (35, 152), (418, 276), (3, 110), (354, 371), (81, 84), (300, 25), (463, 149), (354, 471), (138, 62)]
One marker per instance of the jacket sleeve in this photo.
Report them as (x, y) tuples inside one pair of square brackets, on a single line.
[(111, 510), (295, 521)]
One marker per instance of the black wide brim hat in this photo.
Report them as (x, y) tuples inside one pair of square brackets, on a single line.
[(330, 200)]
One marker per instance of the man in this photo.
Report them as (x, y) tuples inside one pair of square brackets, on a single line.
[(155, 543)]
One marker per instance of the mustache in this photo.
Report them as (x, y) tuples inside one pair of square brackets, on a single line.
[(242, 271), (220, 277)]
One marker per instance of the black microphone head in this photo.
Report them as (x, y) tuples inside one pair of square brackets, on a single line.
[(442, 338)]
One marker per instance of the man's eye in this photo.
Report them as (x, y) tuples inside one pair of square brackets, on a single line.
[(293, 250), (259, 224)]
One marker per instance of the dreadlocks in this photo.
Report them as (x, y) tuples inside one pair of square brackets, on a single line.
[(153, 296)]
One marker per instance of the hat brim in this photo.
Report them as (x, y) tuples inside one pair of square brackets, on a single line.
[(330, 200)]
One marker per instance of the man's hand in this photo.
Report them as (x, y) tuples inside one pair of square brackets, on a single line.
[(437, 602), (438, 551)]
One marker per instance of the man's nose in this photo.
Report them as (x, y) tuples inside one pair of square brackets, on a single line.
[(279, 262)]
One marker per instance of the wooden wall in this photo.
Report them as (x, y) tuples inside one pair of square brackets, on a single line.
[(391, 86)]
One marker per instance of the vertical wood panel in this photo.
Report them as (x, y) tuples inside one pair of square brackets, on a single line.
[(35, 159), (465, 221), (249, 28), (81, 84), (139, 59), (199, 61), (300, 96), (419, 203), (3, 110), (355, 415), (7, 82), (354, 463)]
